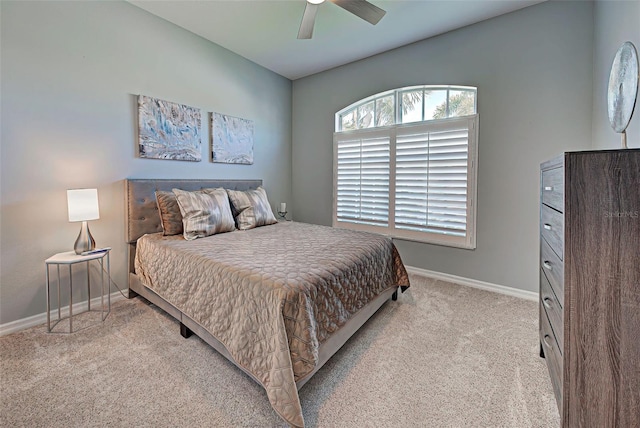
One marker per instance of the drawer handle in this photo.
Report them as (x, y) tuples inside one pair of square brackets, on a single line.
[(547, 226), (547, 302), (547, 341), (547, 265), (548, 188)]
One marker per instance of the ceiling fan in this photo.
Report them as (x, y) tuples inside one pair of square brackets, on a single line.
[(360, 8)]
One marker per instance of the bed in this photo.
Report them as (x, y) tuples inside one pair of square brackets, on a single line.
[(277, 301)]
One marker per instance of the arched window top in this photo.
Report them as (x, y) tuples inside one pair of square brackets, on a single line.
[(408, 105)]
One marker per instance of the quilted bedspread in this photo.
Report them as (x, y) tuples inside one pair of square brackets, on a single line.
[(273, 294)]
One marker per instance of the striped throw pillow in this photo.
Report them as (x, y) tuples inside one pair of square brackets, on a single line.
[(204, 212)]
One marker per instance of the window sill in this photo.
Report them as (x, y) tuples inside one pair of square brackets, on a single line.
[(431, 239)]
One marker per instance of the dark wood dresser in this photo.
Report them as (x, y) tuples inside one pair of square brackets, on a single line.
[(590, 285)]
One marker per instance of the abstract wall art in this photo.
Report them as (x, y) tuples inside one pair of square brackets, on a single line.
[(168, 130), (231, 139)]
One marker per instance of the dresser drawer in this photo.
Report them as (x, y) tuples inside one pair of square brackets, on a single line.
[(553, 268), (553, 309), (552, 356), (552, 229), (553, 188)]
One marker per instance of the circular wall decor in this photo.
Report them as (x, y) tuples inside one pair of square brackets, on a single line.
[(623, 87)]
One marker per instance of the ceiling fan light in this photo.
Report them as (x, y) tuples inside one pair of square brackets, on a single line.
[(315, 1)]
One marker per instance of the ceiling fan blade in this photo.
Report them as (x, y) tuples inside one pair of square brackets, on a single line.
[(308, 19), (363, 9)]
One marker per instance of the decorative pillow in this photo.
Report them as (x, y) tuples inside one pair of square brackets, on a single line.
[(251, 208), (170, 215), (204, 212)]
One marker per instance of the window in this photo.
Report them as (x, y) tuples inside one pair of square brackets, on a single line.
[(414, 104), (405, 165)]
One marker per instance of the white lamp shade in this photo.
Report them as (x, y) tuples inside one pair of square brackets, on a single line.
[(83, 204)]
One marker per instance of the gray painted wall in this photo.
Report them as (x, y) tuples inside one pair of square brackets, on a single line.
[(69, 75), (533, 70), (615, 23), (70, 72)]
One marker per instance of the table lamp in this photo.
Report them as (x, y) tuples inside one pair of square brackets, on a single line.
[(282, 212), (83, 206)]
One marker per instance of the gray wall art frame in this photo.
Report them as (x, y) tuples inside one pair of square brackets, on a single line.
[(231, 139), (168, 130)]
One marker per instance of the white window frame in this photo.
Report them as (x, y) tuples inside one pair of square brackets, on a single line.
[(466, 242)]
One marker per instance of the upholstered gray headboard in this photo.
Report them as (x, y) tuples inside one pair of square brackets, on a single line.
[(141, 210)]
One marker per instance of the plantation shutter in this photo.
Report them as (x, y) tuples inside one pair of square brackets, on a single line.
[(411, 181), (362, 178), (431, 192)]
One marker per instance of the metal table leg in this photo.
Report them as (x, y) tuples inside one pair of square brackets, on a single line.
[(109, 282), (88, 287), (48, 300), (70, 300), (58, 283), (102, 288)]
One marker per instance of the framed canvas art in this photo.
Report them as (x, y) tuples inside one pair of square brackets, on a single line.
[(231, 139), (168, 130)]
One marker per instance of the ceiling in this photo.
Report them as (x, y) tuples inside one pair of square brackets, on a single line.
[(265, 31)]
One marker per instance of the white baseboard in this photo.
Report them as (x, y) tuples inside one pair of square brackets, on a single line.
[(514, 292), (32, 321)]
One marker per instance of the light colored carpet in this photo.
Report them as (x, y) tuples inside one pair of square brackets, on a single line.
[(443, 355)]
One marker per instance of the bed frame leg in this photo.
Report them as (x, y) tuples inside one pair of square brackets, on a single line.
[(394, 296), (184, 331)]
